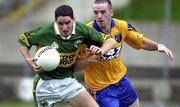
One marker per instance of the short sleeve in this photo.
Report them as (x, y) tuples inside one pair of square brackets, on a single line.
[(134, 38)]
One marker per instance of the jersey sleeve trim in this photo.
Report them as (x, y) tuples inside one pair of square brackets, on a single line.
[(23, 39)]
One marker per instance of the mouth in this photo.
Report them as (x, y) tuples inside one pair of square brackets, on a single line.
[(100, 21), (65, 32)]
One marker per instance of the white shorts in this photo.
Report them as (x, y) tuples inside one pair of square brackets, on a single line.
[(49, 92)]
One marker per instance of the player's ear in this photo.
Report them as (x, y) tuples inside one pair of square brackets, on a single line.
[(112, 12)]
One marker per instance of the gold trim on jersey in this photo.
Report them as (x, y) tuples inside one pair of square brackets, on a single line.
[(24, 38)]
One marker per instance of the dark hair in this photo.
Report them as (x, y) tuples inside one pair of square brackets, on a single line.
[(104, 1), (64, 10)]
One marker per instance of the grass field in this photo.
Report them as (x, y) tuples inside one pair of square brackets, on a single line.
[(149, 10), (23, 104)]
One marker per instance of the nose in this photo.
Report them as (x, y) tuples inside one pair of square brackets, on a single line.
[(99, 15), (64, 27)]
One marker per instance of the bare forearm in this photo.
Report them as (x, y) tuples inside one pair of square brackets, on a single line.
[(108, 44), (81, 64), (25, 52), (149, 45), (30, 60)]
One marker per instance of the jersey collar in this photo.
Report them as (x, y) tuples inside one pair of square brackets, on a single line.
[(57, 32), (96, 26)]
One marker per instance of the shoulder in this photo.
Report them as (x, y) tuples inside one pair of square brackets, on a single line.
[(82, 27), (79, 24), (46, 28), (90, 24), (43, 29), (124, 24), (121, 23)]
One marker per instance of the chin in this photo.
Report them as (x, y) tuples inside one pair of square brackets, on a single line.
[(66, 34), (101, 24)]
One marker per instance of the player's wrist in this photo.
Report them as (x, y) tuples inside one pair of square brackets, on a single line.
[(161, 47)]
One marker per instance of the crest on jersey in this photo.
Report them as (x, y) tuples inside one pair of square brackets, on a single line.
[(118, 37), (77, 43), (55, 45)]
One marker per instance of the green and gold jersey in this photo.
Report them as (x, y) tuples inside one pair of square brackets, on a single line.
[(67, 48)]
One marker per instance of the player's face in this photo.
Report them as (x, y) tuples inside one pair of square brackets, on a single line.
[(65, 25), (103, 14)]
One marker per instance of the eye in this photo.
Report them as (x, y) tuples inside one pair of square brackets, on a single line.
[(67, 22), (95, 12), (59, 23), (103, 12)]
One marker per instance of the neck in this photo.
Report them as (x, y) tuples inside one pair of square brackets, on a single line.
[(106, 28)]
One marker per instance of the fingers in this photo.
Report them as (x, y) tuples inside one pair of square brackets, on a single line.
[(169, 54), (38, 70), (34, 66), (95, 50), (162, 48)]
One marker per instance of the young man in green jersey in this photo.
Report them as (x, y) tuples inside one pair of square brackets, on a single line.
[(66, 35), (107, 78)]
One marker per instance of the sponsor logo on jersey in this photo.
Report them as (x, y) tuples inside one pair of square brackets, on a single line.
[(113, 53), (77, 43), (67, 59), (55, 45)]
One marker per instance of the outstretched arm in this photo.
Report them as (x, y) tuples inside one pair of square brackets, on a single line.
[(151, 45), (97, 54), (82, 63)]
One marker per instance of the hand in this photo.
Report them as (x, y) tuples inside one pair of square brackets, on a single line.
[(35, 67), (95, 50), (162, 48), (94, 58)]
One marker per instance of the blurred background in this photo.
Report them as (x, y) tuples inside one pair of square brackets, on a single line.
[(156, 79)]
